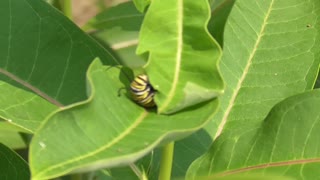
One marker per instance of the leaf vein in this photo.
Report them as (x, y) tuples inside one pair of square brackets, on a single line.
[(241, 80), (178, 56), (92, 153)]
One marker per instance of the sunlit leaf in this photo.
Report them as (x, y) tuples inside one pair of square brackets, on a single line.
[(43, 60), (182, 64), (107, 130), (25, 110), (286, 143), (268, 55)]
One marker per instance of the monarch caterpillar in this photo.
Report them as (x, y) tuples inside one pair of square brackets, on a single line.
[(141, 91)]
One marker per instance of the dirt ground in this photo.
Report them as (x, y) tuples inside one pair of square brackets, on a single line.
[(83, 10)]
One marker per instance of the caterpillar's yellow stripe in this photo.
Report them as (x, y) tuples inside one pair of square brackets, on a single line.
[(142, 91)]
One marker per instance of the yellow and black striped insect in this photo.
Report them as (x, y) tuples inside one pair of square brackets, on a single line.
[(142, 92)]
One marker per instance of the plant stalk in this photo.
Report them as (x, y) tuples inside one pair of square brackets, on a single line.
[(136, 170), (166, 162), (67, 8)]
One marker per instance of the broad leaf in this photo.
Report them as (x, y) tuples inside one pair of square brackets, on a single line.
[(12, 166), (185, 152), (107, 130), (9, 136), (286, 143), (25, 110), (182, 55), (269, 54), (42, 54)]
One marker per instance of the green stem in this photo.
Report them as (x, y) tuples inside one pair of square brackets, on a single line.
[(136, 170), (166, 162), (67, 8)]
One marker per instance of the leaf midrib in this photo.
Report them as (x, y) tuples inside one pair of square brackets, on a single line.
[(270, 165), (115, 140), (29, 86), (125, 44), (178, 56), (245, 72)]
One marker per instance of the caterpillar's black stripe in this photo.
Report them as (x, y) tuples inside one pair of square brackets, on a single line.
[(150, 95), (142, 92), (140, 83), (145, 81), (138, 90)]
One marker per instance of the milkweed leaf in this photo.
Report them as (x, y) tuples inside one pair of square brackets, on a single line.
[(43, 60), (12, 166), (107, 130), (266, 58), (182, 64), (285, 143), (271, 52)]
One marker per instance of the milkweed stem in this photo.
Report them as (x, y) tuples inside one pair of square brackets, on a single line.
[(67, 8), (166, 161)]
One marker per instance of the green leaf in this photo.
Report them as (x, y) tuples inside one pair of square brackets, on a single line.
[(26, 110), (118, 27), (182, 54), (107, 130), (9, 136), (42, 54), (12, 166), (185, 152), (220, 11), (269, 54), (286, 143), (142, 5), (43, 48)]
